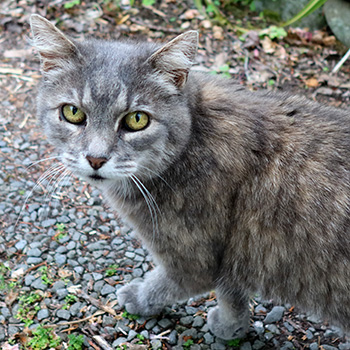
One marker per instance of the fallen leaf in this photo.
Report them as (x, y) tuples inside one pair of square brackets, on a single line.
[(64, 273), (218, 33), (11, 297), (268, 45), (329, 40), (190, 14), (312, 82), (17, 273), (206, 24)]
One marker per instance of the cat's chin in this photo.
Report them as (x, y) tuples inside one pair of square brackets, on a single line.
[(100, 181)]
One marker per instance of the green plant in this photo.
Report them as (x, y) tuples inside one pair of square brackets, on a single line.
[(75, 342), (69, 299), (148, 2), (250, 3), (32, 298), (112, 270), (71, 4), (28, 308), (131, 317), (60, 232), (3, 277), (273, 32), (234, 343), (211, 7), (121, 347), (223, 70), (188, 343), (43, 338), (44, 275), (60, 227), (141, 338), (309, 8)]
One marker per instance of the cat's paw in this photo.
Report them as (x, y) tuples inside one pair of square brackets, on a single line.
[(225, 328), (135, 299)]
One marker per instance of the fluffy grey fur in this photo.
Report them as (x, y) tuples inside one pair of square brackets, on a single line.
[(230, 190)]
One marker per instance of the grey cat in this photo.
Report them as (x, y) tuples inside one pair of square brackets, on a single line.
[(231, 190)]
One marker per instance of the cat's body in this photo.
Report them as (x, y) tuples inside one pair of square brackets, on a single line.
[(230, 190)]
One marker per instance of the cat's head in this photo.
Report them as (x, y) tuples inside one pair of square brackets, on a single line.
[(113, 109)]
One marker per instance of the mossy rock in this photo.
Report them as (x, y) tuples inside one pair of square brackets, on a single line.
[(337, 13)]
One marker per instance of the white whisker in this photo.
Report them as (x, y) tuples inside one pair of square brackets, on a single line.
[(150, 202), (155, 173), (42, 160), (47, 174)]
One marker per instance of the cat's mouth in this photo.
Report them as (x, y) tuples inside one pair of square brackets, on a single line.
[(97, 177)]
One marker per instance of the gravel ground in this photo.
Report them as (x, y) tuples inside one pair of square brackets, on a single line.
[(74, 254), (63, 254)]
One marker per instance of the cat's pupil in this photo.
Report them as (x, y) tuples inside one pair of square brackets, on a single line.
[(74, 110), (137, 117)]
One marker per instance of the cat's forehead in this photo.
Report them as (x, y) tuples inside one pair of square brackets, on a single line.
[(112, 55)]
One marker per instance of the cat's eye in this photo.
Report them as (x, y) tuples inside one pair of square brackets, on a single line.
[(136, 121), (73, 114)]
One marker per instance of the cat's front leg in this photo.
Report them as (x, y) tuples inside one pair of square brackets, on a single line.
[(149, 296), (230, 319)]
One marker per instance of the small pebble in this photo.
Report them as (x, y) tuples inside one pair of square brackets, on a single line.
[(274, 315)]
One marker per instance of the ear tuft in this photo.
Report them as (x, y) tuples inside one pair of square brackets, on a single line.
[(174, 60), (54, 48)]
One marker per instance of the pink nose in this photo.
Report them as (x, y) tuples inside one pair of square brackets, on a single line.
[(96, 163)]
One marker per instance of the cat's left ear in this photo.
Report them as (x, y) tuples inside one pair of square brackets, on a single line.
[(55, 49), (175, 59)]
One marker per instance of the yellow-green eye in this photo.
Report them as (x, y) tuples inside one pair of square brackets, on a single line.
[(136, 121), (73, 114)]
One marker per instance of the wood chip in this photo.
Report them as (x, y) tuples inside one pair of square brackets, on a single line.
[(8, 70), (101, 342)]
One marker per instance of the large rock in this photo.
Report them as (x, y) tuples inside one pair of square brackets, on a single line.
[(338, 18), (287, 9)]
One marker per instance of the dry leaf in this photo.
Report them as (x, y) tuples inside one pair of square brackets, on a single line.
[(268, 45), (312, 82), (17, 273), (206, 24), (329, 40), (11, 297), (218, 33), (190, 14), (64, 273)]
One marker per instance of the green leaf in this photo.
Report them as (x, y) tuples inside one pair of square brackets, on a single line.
[(148, 2), (71, 4), (310, 7)]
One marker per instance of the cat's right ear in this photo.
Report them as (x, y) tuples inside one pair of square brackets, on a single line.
[(54, 48), (175, 59)]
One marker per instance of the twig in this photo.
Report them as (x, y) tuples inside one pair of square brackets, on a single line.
[(97, 313), (95, 302), (341, 62), (157, 28), (101, 342)]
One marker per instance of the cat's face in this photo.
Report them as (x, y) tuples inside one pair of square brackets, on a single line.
[(113, 110)]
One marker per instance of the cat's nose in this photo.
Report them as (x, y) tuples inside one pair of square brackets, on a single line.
[(96, 163)]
